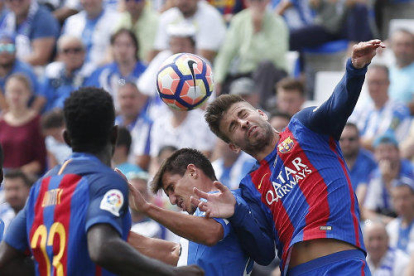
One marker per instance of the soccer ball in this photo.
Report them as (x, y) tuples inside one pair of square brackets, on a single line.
[(185, 81)]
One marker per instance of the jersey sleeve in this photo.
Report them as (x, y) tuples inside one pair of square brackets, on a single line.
[(108, 202), (330, 117), (224, 222), (252, 228), (16, 235)]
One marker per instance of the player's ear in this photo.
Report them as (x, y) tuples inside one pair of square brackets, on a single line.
[(192, 170), (234, 148), (66, 137), (114, 135), (262, 114)]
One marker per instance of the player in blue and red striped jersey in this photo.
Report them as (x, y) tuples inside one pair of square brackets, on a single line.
[(76, 220), (301, 181)]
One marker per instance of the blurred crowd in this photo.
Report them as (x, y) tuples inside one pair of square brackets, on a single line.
[(49, 48)]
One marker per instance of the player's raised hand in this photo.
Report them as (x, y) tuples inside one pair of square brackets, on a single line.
[(191, 270), (363, 52), (218, 205), (136, 200)]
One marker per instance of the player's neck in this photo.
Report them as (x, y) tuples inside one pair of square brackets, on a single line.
[(259, 156), (104, 156)]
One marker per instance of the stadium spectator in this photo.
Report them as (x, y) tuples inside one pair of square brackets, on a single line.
[(20, 135), (402, 72), (143, 21), (121, 153), (217, 246), (383, 259), (126, 65), (141, 223), (360, 161), (61, 9), (16, 190), (163, 154), (400, 230), (67, 74), (135, 113), (246, 88), (407, 145), (231, 167), (256, 38), (300, 170), (35, 28), (279, 120), (228, 9), (53, 124), (204, 18), (382, 114), (10, 64), (391, 167), (94, 26), (290, 96), (181, 40), (83, 201)]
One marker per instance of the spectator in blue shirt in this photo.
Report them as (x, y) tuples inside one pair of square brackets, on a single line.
[(126, 65), (10, 64), (67, 74), (35, 28), (360, 161)]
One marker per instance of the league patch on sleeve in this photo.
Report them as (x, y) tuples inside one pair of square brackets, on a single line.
[(112, 202)]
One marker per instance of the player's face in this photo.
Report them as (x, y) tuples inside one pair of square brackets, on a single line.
[(124, 49), (376, 241), (179, 189), (247, 128), (15, 192), (349, 142), (403, 200), (289, 102)]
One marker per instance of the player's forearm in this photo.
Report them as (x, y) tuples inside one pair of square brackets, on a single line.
[(188, 226), (164, 251)]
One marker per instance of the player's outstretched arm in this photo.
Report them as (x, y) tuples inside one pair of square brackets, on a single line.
[(109, 251), (14, 262), (330, 118), (164, 251), (181, 224), (218, 205)]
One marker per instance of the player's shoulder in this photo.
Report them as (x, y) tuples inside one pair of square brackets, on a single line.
[(105, 179)]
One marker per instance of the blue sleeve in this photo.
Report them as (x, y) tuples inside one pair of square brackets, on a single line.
[(16, 235), (252, 228), (330, 118), (45, 25), (224, 223), (108, 202)]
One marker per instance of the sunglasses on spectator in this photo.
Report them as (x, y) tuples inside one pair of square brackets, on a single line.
[(10, 48), (76, 50)]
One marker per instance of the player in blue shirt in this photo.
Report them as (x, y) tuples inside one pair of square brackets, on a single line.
[(210, 243), (76, 219), (301, 182)]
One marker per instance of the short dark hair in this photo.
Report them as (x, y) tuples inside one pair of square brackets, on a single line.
[(89, 117), (354, 126), (18, 174), (131, 34), (382, 67), (53, 119), (215, 111), (124, 138), (290, 84), (177, 164)]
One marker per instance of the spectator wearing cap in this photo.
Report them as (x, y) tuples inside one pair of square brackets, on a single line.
[(181, 40), (143, 22), (360, 161), (65, 75), (256, 38), (35, 28), (382, 114), (122, 148), (290, 96), (391, 167), (126, 65), (246, 88), (141, 223), (207, 22), (400, 229)]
